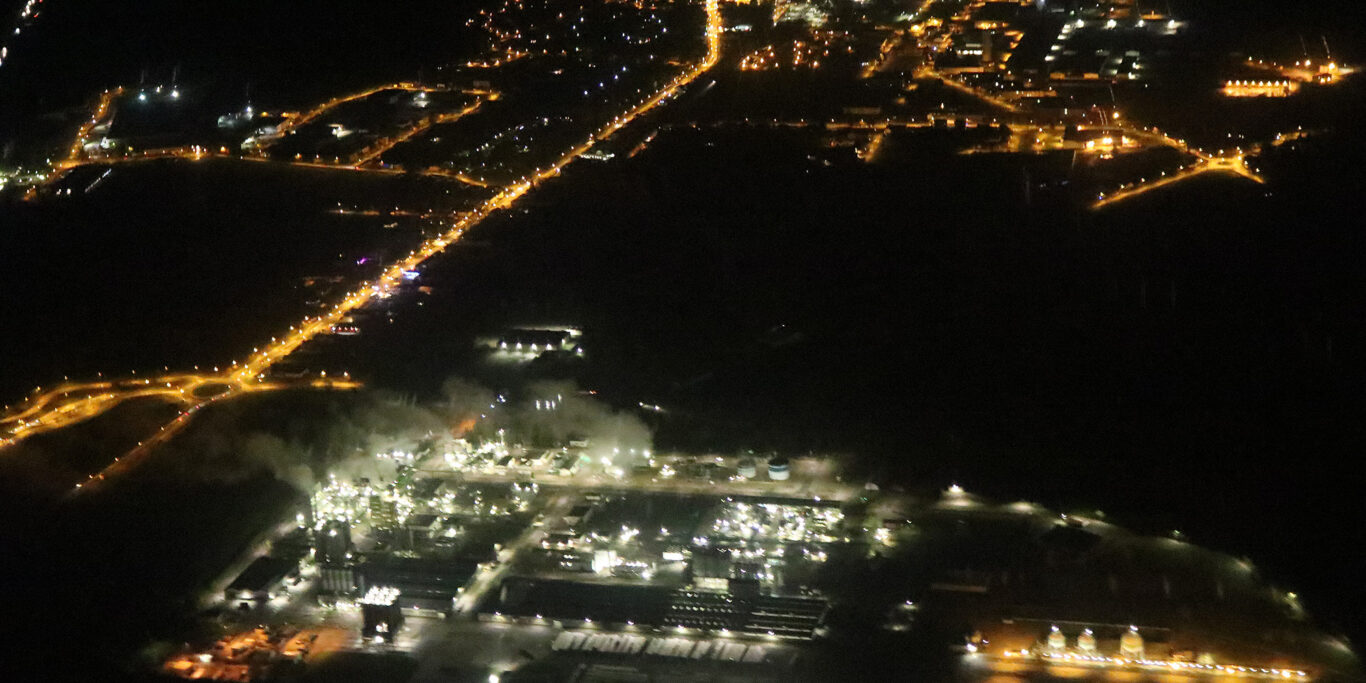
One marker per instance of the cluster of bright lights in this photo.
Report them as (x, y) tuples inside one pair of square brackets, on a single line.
[(480, 502), (380, 595), (466, 455), (27, 15), (218, 663), (1260, 88), (1270, 84), (341, 501), (401, 457), (1159, 664), (883, 535), (806, 12), (355, 503), (644, 569), (781, 523), (520, 347), (799, 54)]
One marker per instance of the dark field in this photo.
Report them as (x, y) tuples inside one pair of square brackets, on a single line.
[(183, 264), (289, 54)]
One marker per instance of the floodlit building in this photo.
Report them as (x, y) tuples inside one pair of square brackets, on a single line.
[(424, 583), (381, 616), (332, 552), (1056, 640), (1261, 88), (1086, 642), (262, 580), (538, 340), (336, 579), (1131, 644), (696, 611)]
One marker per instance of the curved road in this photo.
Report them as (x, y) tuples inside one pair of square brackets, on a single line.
[(72, 403)]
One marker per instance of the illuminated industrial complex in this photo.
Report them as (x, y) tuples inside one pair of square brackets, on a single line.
[(537, 533)]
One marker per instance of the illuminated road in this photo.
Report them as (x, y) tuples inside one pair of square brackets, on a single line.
[(74, 153), (1231, 163), (884, 55), (76, 156), (1019, 666), (83, 133), (254, 366), (165, 432), (72, 403), (969, 90), (1305, 72), (375, 151), (868, 153), (201, 154), (1234, 163), (57, 408), (75, 402), (293, 122), (489, 577)]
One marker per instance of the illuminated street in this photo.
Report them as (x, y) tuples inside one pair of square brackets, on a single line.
[(45, 413)]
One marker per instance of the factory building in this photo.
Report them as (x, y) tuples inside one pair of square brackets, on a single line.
[(381, 616), (337, 580), (333, 543), (538, 340), (262, 580), (789, 617), (424, 583), (332, 552)]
